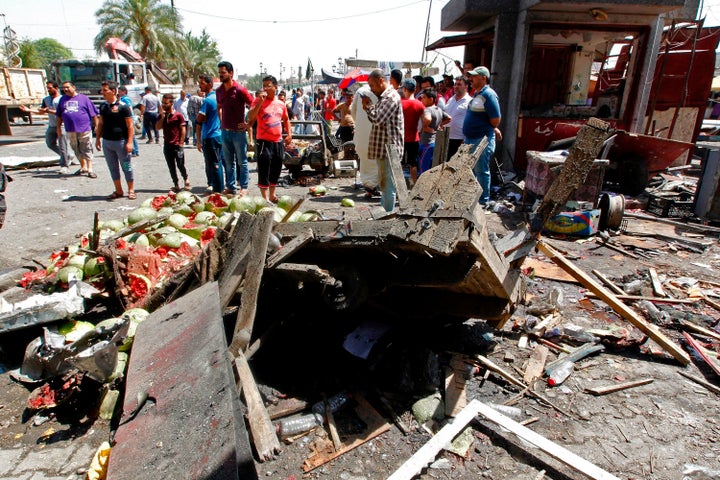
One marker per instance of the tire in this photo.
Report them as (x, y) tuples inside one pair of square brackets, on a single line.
[(632, 175)]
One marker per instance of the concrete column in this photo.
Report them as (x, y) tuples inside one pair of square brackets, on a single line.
[(508, 69)]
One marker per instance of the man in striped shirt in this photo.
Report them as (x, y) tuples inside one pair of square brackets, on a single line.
[(387, 121)]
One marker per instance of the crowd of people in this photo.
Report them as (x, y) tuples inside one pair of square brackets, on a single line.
[(224, 122)]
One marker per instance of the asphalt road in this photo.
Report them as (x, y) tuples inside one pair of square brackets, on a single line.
[(47, 210)]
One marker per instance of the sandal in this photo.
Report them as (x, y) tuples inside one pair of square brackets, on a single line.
[(274, 199), (132, 196), (115, 195), (80, 172), (92, 175)]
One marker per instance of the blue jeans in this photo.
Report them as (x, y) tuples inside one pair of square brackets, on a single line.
[(116, 158), (213, 155), (234, 145), (57, 144), (482, 167)]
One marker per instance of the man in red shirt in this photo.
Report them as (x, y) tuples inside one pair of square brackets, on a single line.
[(173, 125), (412, 112), (232, 99), (272, 116)]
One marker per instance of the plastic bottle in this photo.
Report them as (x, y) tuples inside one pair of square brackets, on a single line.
[(290, 426), (560, 373), (336, 402)]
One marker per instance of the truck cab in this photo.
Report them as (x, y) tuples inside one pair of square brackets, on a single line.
[(88, 75)]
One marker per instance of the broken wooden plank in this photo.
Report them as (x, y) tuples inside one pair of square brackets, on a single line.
[(635, 298), (292, 210), (303, 272), (332, 426), (286, 407), (490, 365), (618, 387), (398, 177), (536, 364), (692, 343), (190, 420), (699, 329), (618, 306), (236, 258), (251, 286), (455, 378), (376, 425), (263, 431), (546, 270), (713, 388), (576, 167), (289, 248), (656, 284), (704, 229), (608, 282), (430, 450)]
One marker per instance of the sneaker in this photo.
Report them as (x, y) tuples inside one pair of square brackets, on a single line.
[(228, 191), (209, 189), (64, 170), (157, 141)]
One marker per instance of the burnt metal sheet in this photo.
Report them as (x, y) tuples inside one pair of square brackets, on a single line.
[(189, 423)]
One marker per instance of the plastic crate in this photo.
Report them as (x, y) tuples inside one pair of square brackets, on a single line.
[(670, 207)]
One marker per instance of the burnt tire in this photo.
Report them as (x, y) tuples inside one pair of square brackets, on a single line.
[(349, 291), (632, 176)]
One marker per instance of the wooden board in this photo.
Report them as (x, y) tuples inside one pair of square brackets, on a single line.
[(536, 364), (626, 312), (547, 270), (618, 387), (455, 395)]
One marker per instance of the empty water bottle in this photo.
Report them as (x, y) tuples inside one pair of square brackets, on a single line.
[(290, 426), (560, 373)]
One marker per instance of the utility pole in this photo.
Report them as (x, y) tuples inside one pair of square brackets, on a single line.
[(427, 33)]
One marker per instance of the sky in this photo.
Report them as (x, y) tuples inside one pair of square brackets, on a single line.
[(288, 34)]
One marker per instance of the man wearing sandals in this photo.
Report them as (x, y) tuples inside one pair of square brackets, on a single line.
[(79, 116), (115, 128), (173, 125)]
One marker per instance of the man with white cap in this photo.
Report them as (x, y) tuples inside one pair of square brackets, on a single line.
[(481, 120)]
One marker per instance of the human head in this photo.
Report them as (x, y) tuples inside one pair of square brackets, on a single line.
[(68, 89), (206, 83), (122, 90), (428, 97), (418, 81), (282, 95), (108, 90), (479, 76), (448, 80), (52, 87), (182, 94), (348, 94), (167, 102), (467, 66), (270, 86), (376, 81), (461, 86), (396, 77), (409, 87), (427, 82), (225, 71)]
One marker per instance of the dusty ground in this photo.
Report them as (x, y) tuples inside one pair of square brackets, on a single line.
[(664, 430)]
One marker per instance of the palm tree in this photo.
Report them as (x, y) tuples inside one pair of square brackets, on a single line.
[(202, 54), (152, 29)]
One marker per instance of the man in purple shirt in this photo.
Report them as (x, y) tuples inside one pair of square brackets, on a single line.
[(79, 115), (231, 100)]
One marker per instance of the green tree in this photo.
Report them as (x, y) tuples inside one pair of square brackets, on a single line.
[(152, 29), (202, 55), (29, 54), (50, 49)]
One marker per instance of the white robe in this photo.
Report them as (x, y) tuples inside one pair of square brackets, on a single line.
[(369, 175)]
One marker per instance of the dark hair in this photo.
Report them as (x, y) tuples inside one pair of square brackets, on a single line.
[(148, 89), (463, 79), (271, 79), (429, 80), (112, 85), (169, 95), (122, 88), (377, 73), (206, 78), (53, 83), (70, 82), (228, 66), (429, 93), (396, 75), (418, 80)]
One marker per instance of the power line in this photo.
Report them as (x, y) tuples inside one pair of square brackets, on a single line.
[(333, 19)]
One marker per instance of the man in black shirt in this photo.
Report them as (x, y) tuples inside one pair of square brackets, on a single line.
[(115, 128)]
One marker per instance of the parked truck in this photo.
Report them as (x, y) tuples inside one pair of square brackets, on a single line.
[(19, 86), (125, 66)]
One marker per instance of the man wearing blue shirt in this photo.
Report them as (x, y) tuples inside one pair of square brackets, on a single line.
[(209, 136), (481, 121)]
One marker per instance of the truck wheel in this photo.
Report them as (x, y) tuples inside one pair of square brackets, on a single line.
[(632, 176)]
